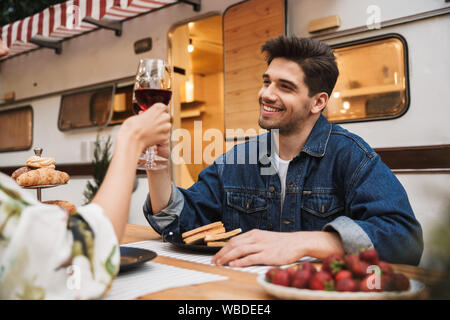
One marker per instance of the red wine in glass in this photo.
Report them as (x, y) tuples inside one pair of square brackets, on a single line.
[(136, 107), (146, 97)]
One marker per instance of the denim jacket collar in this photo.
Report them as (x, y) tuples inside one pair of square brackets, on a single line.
[(317, 141), (315, 145)]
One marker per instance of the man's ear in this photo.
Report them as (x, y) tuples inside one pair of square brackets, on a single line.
[(320, 102)]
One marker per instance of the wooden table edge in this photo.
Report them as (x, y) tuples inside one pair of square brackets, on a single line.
[(250, 289)]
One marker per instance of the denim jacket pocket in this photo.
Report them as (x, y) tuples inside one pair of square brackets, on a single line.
[(246, 210), (321, 205)]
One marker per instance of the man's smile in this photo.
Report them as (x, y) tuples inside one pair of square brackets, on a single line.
[(268, 109)]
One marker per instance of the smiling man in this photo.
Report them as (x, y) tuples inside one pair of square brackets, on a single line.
[(315, 188)]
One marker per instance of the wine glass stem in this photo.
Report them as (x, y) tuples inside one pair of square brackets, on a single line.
[(151, 157)]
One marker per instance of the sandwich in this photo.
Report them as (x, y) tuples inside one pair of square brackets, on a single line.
[(221, 239), (198, 235), (213, 235)]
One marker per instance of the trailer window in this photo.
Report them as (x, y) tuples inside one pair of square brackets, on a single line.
[(372, 81), (16, 129), (122, 104), (85, 109)]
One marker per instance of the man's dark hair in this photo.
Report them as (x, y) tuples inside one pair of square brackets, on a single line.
[(314, 57)]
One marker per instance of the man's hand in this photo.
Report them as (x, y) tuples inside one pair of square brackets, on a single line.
[(259, 247), (163, 150), (277, 248), (150, 127)]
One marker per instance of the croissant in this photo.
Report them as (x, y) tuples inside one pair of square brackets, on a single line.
[(19, 172), (40, 162), (43, 176)]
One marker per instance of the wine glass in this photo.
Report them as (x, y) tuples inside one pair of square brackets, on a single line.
[(152, 84)]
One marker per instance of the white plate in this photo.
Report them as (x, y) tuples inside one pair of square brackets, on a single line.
[(416, 289)]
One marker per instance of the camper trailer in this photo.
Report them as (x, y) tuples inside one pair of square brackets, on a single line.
[(67, 82)]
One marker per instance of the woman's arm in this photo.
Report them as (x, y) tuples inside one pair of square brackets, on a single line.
[(46, 254), (137, 132)]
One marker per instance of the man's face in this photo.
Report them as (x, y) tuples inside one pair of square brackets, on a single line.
[(283, 98)]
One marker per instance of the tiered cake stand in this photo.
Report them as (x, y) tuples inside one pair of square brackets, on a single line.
[(38, 152)]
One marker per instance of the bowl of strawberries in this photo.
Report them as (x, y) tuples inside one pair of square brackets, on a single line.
[(353, 276)]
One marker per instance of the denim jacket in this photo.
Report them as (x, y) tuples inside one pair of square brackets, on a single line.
[(336, 183)]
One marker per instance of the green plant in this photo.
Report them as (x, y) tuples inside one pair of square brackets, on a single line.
[(440, 244), (102, 158)]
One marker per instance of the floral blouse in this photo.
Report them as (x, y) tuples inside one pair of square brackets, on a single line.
[(46, 254)]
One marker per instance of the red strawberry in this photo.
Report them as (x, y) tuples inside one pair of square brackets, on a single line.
[(350, 259), (281, 278), (369, 255), (369, 284), (386, 282), (321, 281), (359, 269), (400, 282), (333, 263), (347, 284), (270, 273), (343, 274), (303, 275), (308, 266), (385, 267), (292, 270), (301, 278)]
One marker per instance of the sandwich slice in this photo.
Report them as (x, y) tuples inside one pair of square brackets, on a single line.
[(198, 234), (216, 243), (222, 237)]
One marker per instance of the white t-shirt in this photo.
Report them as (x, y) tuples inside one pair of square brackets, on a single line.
[(282, 167)]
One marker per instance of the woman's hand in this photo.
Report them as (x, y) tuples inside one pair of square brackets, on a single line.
[(151, 127)]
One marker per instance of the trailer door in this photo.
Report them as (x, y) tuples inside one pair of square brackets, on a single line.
[(246, 26)]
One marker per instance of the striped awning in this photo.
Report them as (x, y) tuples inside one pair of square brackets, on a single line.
[(69, 19)]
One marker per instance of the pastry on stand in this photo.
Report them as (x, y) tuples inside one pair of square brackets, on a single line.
[(39, 173), (66, 205)]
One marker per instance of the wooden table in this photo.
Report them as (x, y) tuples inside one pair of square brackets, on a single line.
[(239, 285)]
